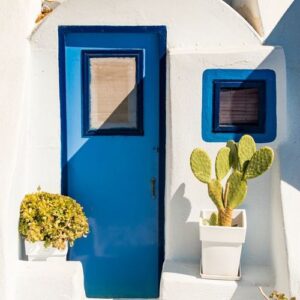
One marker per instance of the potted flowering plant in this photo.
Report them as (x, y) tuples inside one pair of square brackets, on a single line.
[(48, 223), (223, 231)]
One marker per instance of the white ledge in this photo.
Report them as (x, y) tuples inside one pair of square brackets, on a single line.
[(181, 280), (50, 281)]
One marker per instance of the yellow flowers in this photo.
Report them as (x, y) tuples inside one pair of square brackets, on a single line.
[(52, 218)]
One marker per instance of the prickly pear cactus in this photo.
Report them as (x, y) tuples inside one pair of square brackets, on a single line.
[(234, 161), (246, 149), (244, 161), (215, 192), (237, 190), (222, 165), (213, 220), (260, 162), (201, 165)]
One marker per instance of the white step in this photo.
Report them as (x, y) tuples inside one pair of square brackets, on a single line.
[(50, 281), (181, 281)]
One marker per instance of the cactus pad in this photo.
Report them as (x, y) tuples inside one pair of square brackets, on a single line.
[(260, 162), (246, 149), (213, 220), (222, 163), (237, 189), (215, 191), (201, 165), (234, 162), (243, 162)]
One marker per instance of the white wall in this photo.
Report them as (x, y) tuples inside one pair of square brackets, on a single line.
[(285, 34), (191, 23), (264, 15), (271, 17), (186, 195), (225, 40), (16, 21)]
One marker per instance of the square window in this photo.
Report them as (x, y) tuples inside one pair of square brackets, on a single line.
[(237, 102), (112, 92), (239, 106)]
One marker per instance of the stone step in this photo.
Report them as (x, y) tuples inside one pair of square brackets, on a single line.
[(181, 280), (50, 281)]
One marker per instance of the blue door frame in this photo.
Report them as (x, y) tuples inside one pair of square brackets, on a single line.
[(64, 32)]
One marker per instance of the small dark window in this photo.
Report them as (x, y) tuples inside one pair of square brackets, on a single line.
[(239, 106), (239, 101)]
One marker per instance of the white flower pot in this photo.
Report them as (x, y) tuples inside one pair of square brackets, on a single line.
[(221, 246), (38, 252)]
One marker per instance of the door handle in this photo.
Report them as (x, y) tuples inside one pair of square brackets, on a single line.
[(153, 187)]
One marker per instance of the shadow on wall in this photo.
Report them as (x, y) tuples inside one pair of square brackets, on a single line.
[(261, 208), (182, 232), (286, 34)]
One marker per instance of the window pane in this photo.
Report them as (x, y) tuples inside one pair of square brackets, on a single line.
[(113, 93), (239, 106)]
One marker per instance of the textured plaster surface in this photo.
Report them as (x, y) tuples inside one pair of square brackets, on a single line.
[(16, 21), (62, 281), (186, 196), (191, 23), (181, 280), (286, 35), (31, 151)]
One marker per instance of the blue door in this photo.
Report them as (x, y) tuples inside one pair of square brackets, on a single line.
[(112, 83)]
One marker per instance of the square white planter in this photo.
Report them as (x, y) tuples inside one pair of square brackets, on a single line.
[(221, 246), (38, 252)]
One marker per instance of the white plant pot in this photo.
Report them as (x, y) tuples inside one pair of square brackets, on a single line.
[(222, 246), (38, 252)]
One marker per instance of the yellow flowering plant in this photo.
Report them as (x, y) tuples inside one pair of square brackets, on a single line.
[(52, 218)]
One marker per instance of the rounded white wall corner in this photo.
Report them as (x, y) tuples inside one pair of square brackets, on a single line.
[(190, 23)]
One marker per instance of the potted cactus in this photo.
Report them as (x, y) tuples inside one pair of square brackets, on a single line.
[(223, 231)]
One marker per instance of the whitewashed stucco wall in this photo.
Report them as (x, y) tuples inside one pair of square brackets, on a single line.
[(286, 35), (188, 195), (265, 242), (16, 22), (192, 25), (236, 46)]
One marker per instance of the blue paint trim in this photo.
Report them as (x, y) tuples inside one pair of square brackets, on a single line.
[(86, 55), (162, 33), (267, 129), (160, 29), (63, 110)]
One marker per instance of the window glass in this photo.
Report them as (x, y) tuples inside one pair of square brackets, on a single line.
[(113, 93), (239, 106)]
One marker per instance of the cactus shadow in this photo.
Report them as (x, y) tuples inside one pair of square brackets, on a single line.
[(180, 231)]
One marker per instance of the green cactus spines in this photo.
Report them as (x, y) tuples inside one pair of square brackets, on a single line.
[(237, 190), (215, 192), (234, 161), (246, 149), (201, 165), (223, 164), (259, 163)]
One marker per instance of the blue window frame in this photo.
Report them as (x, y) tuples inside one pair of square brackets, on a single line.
[(223, 120), (86, 56)]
